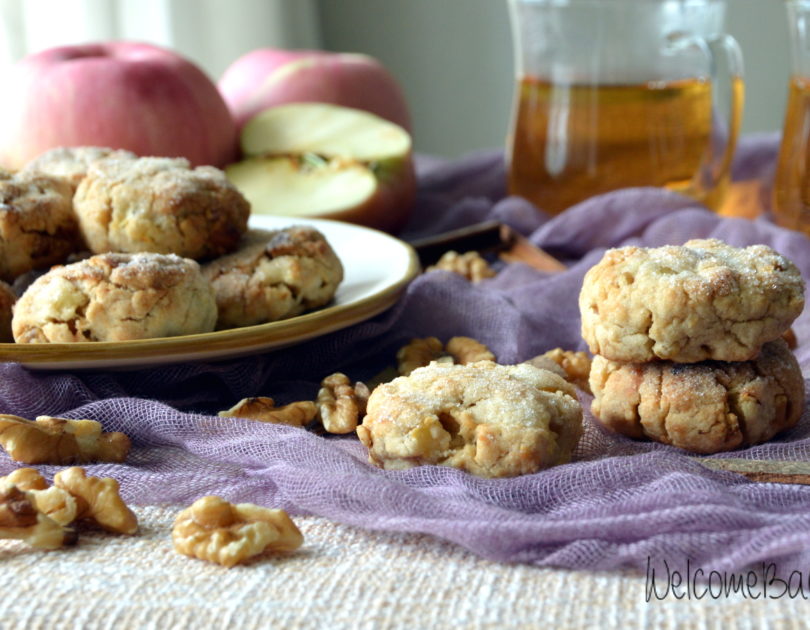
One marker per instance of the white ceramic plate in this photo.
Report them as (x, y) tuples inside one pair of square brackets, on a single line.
[(377, 268)]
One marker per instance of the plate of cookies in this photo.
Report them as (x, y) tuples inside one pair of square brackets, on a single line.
[(108, 260)]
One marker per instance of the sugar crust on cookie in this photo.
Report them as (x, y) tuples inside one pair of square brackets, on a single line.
[(488, 419), (116, 297), (160, 205), (703, 300), (274, 275), (705, 407), (37, 224)]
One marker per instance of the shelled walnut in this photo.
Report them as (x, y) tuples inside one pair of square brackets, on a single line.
[(421, 352), (470, 265), (341, 405), (49, 440), (213, 529), (264, 409), (575, 366), (98, 500), (466, 350), (20, 519), (55, 503)]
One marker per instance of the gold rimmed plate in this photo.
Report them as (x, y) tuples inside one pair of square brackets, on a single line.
[(377, 268)]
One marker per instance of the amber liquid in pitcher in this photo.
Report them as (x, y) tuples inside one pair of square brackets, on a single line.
[(570, 142), (791, 197)]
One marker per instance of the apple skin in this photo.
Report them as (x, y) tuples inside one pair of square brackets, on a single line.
[(390, 208), (269, 76), (122, 95)]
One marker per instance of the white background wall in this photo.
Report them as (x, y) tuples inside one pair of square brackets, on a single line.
[(454, 59)]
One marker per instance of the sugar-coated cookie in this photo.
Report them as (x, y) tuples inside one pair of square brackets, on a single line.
[(7, 300), (703, 300), (116, 297), (704, 407), (159, 205), (488, 419), (274, 275), (37, 224), (72, 162)]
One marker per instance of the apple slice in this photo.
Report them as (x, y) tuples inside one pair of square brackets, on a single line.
[(319, 160)]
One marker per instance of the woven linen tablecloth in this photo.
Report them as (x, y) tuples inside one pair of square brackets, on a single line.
[(619, 504)]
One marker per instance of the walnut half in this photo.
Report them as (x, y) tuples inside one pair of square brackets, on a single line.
[(50, 440), (421, 352), (20, 519), (341, 405), (264, 409), (55, 503), (97, 500), (470, 265), (213, 529), (575, 366)]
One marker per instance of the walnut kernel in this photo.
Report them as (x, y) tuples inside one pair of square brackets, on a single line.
[(575, 365), (418, 353), (466, 350), (213, 529), (264, 409), (470, 265), (341, 405), (422, 352), (98, 500), (49, 440), (20, 519), (55, 503)]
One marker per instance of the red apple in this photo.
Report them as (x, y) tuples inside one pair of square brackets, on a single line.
[(123, 95), (320, 160), (268, 77)]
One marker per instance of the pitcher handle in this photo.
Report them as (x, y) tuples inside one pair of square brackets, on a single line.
[(720, 159)]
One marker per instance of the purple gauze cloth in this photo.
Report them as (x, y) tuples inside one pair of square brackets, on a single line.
[(619, 502)]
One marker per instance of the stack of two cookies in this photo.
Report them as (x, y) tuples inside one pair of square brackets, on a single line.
[(687, 343)]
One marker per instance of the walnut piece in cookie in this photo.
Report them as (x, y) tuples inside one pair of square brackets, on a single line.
[(705, 407), (273, 276), (213, 529), (160, 205), (116, 297), (72, 163), (469, 265), (37, 224), (703, 300), (488, 419), (263, 409), (60, 441)]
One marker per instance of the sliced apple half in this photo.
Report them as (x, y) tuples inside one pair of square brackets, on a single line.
[(319, 160)]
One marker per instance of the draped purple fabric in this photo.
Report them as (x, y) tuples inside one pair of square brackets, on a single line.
[(619, 502)]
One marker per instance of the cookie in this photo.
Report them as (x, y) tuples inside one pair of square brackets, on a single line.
[(274, 275), (116, 297), (37, 225), (72, 162), (159, 205), (7, 300), (488, 419), (703, 300), (703, 407)]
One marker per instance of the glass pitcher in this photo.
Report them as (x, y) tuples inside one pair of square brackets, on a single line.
[(618, 93)]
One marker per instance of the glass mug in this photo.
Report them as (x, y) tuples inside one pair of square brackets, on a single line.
[(791, 194), (618, 93)]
